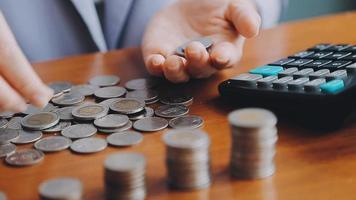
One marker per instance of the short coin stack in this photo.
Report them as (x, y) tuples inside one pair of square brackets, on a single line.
[(254, 136), (187, 159), (64, 188), (124, 176)]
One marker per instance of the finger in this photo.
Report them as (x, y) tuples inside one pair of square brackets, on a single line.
[(226, 54), (10, 100), (154, 64), (174, 69), (18, 71), (244, 17), (198, 65)]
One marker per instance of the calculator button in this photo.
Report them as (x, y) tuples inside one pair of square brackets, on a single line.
[(317, 63), (282, 61), (333, 86), (351, 68), (297, 84), (302, 54), (351, 49), (299, 63), (339, 47), (320, 47), (319, 74), (351, 57), (337, 55), (287, 72), (267, 70), (266, 82), (303, 73), (337, 64), (338, 74), (320, 55), (281, 83), (314, 85), (248, 80)]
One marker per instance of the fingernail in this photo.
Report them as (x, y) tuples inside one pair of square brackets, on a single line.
[(20, 107), (41, 99), (221, 59), (156, 62)]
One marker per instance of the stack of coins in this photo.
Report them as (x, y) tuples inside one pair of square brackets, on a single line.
[(254, 136), (64, 188), (187, 159), (124, 176)]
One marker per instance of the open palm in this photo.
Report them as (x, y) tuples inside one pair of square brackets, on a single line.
[(227, 22)]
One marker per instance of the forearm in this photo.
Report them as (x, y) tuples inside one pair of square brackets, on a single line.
[(270, 11)]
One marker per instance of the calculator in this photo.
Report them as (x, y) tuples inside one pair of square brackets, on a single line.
[(315, 87)]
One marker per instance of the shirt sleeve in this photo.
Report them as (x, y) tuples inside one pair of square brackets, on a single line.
[(270, 11)]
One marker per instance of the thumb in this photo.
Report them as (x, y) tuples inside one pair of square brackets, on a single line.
[(244, 16)]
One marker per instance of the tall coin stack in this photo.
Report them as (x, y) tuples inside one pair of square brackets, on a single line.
[(125, 176), (254, 135), (187, 159)]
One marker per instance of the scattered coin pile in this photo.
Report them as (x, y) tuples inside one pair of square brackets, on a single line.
[(64, 188), (124, 176), (254, 136), (187, 159)]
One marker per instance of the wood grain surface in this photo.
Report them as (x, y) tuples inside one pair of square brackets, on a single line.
[(309, 165)]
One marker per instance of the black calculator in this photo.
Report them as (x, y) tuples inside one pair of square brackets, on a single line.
[(316, 87)]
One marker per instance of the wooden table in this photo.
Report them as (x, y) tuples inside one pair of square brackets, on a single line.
[(309, 165)]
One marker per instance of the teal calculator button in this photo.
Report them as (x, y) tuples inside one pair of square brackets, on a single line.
[(332, 86), (268, 70)]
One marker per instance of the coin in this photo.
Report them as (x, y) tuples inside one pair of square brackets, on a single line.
[(145, 95), (171, 111), (84, 89), (6, 114), (127, 106), (79, 131), (27, 137), (25, 157), (53, 144), (110, 92), (252, 118), (59, 87), (141, 84), (90, 111), (206, 41), (150, 124), (147, 112), (68, 99), (88, 145), (190, 122), (7, 135), (3, 123), (177, 99), (31, 110), (186, 138), (114, 130), (49, 108), (126, 138), (15, 123), (64, 188), (65, 113), (107, 102), (57, 128), (111, 121), (124, 162), (7, 149), (40, 121), (104, 80)]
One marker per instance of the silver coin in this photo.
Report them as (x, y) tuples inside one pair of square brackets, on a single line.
[(68, 99), (125, 162), (25, 157), (150, 124), (6, 114), (88, 145), (7, 149), (59, 87), (65, 113), (186, 139), (186, 122), (177, 99), (206, 41), (147, 112), (104, 80), (15, 123), (108, 102), (126, 138), (7, 135), (127, 106), (57, 128), (90, 111), (49, 108), (40, 121), (27, 137), (252, 118), (110, 92), (79, 131), (171, 111), (111, 121), (53, 144), (31, 110), (3, 122), (114, 130), (84, 89), (152, 102), (146, 95), (61, 188), (142, 84)]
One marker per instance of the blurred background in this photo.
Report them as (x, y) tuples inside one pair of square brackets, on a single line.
[(301, 9)]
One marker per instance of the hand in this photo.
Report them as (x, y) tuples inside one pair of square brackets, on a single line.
[(18, 81), (227, 22)]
